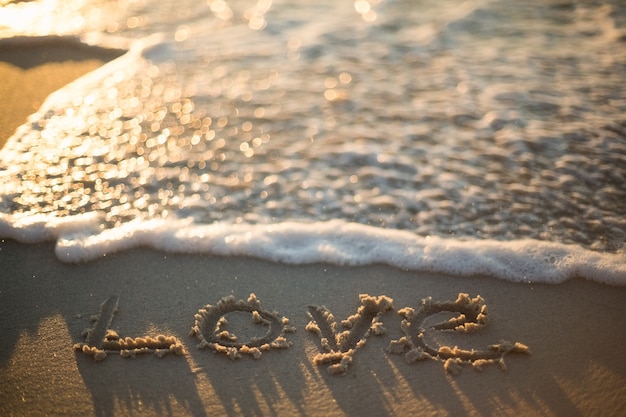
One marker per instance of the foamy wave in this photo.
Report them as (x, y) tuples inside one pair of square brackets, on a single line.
[(42, 228), (344, 243)]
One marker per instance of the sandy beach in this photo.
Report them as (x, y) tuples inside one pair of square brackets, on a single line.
[(147, 312), (573, 330)]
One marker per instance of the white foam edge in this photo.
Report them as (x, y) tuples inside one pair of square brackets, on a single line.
[(43, 228), (343, 243)]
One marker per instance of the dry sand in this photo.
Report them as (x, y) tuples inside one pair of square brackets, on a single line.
[(575, 332), (31, 69)]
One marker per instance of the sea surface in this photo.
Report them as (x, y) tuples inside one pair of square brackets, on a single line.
[(481, 137)]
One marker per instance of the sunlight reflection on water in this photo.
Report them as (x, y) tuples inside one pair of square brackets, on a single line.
[(466, 120)]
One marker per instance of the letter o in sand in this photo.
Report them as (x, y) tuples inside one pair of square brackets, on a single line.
[(212, 328)]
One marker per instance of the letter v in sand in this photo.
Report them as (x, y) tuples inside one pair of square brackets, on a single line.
[(340, 344)]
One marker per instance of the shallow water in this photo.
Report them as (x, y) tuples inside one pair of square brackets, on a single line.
[(476, 122)]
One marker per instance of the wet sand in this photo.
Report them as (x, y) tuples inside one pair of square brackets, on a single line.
[(574, 332)]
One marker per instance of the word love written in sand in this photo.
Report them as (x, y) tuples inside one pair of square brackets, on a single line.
[(339, 342)]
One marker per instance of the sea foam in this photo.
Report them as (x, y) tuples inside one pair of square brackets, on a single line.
[(472, 166), (345, 243)]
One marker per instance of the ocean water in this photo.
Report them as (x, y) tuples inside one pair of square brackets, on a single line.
[(467, 137)]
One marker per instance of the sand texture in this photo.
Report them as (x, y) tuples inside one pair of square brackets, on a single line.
[(502, 349)]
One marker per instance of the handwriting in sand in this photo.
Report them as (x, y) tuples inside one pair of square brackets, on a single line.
[(243, 327)]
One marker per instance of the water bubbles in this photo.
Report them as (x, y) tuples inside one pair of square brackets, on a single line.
[(366, 10), (221, 9), (182, 33), (345, 78), (362, 6), (134, 22), (259, 112), (333, 85)]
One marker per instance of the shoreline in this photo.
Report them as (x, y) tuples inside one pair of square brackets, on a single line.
[(33, 67), (573, 330)]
